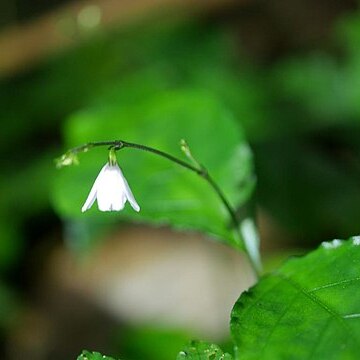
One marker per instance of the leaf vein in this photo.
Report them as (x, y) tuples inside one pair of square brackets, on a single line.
[(317, 301), (318, 340), (334, 284), (290, 304)]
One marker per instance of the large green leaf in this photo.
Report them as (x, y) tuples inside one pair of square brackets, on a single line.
[(201, 350), (166, 193), (308, 309)]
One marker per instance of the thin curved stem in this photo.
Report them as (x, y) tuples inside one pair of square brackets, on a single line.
[(124, 144), (201, 171)]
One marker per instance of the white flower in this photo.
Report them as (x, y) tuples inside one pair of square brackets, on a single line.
[(111, 190)]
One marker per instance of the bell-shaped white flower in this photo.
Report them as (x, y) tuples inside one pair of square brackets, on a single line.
[(110, 189)]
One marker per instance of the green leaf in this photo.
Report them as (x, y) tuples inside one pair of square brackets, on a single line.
[(166, 193), (201, 350), (151, 343), (87, 355), (309, 308)]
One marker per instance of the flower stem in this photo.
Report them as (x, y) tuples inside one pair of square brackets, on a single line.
[(200, 170)]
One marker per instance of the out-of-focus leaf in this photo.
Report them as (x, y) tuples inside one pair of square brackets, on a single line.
[(152, 343), (251, 240), (167, 194), (201, 350), (323, 84), (312, 188), (25, 192), (87, 355), (10, 242), (309, 308), (318, 84), (9, 306), (26, 189)]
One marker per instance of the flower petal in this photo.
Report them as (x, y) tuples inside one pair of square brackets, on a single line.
[(110, 194), (128, 193), (93, 192)]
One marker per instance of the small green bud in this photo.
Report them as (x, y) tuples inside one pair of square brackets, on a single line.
[(185, 148), (112, 157), (67, 159)]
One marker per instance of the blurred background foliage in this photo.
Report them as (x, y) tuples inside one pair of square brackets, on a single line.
[(262, 71)]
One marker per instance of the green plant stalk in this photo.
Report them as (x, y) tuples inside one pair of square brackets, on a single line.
[(200, 170)]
